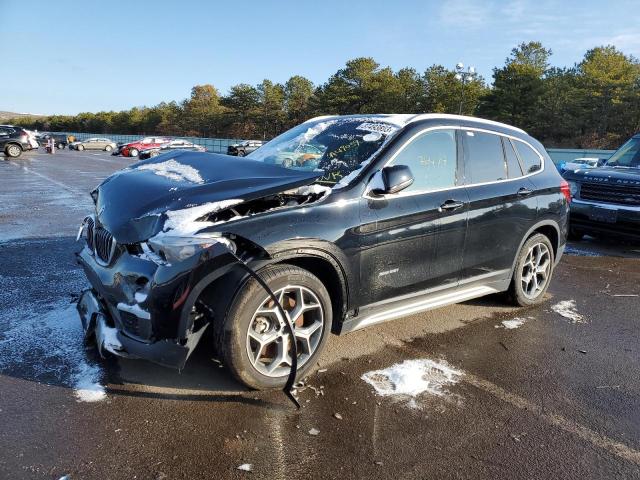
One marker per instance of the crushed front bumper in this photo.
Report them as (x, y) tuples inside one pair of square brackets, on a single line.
[(98, 325), (129, 314)]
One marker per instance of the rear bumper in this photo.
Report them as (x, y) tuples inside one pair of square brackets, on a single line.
[(605, 218)]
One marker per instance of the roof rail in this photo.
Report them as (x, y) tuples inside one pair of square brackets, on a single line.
[(435, 116)]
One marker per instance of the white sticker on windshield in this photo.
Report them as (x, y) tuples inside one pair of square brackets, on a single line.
[(376, 127), (372, 137)]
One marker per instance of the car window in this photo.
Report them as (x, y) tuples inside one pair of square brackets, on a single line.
[(514, 170), (531, 161), (483, 157), (628, 155), (432, 160)]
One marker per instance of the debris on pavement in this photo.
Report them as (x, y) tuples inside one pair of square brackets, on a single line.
[(246, 467), (314, 432), (338, 416)]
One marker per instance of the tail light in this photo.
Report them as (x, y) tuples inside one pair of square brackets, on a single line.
[(566, 190)]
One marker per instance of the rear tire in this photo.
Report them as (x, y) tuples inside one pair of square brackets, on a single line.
[(108, 148), (133, 152), (533, 271), (247, 359), (80, 147), (13, 151), (60, 146)]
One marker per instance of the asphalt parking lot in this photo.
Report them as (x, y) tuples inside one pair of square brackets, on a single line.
[(547, 392)]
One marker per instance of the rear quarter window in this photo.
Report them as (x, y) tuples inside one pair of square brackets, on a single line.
[(484, 158), (513, 165), (531, 161)]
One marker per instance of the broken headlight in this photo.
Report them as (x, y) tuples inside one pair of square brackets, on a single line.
[(176, 248)]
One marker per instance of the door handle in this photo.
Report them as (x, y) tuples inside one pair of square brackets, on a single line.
[(451, 205), (524, 191)]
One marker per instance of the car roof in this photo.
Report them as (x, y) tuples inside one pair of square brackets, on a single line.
[(404, 119)]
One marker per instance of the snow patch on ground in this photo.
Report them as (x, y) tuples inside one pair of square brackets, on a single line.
[(48, 346), (567, 308), (174, 170), (413, 378), (86, 388), (513, 323)]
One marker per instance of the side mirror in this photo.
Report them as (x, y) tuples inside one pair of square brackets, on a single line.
[(391, 180)]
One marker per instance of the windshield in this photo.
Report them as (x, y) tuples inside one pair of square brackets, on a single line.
[(336, 147), (628, 155)]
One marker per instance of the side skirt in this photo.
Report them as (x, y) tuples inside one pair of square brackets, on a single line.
[(374, 314)]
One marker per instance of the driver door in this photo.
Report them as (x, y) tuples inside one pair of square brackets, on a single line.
[(416, 237)]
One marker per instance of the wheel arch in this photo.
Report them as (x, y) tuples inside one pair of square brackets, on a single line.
[(550, 229), (329, 272), (17, 144), (220, 287)]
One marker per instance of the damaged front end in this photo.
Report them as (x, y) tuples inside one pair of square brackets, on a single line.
[(157, 239)]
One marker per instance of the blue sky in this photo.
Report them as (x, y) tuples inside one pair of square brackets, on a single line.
[(111, 55)]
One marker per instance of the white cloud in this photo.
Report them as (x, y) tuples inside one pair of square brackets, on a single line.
[(465, 13), (627, 42)]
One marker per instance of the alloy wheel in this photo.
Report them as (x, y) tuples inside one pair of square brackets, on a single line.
[(269, 344), (536, 270), (13, 150)]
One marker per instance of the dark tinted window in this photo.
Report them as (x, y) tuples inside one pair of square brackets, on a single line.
[(484, 160), (513, 166), (530, 159), (432, 160)]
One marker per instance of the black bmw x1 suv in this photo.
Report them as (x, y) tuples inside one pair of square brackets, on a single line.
[(348, 221)]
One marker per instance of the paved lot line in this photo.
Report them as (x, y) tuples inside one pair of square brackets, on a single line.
[(49, 179), (616, 448)]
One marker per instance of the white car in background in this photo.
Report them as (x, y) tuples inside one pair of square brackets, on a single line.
[(32, 139), (581, 163)]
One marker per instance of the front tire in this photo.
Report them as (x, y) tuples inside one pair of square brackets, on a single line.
[(80, 147), (252, 340), (108, 148), (133, 152), (13, 151), (533, 272)]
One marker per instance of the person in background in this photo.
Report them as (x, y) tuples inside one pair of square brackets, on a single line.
[(51, 145)]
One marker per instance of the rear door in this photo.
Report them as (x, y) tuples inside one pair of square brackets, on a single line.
[(414, 243), (502, 205)]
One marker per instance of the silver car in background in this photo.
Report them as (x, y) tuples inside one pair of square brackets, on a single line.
[(95, 143)]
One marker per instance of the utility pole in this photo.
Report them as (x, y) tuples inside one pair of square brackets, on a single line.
[(464, 76)]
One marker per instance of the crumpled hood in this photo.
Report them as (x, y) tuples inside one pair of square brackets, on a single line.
[(131, 203), (610, 175)]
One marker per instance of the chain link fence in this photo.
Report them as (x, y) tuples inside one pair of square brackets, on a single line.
[(213, 145)]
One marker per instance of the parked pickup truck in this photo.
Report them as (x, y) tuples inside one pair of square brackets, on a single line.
[(606, 199)]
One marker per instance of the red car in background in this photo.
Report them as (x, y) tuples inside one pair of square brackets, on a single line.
[(133, 149)]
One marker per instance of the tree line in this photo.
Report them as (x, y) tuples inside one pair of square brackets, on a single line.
[(592, 104)]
